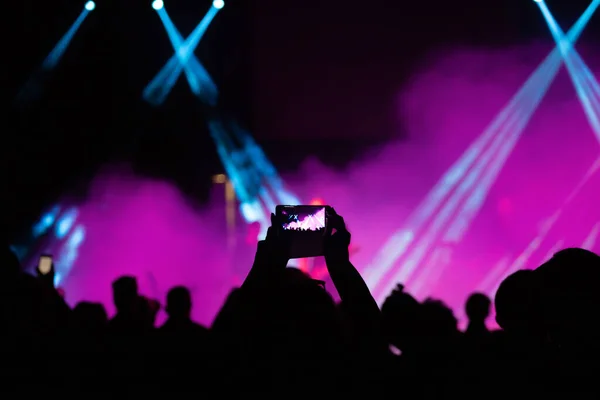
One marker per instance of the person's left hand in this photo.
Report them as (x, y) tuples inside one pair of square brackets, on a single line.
[(274, 250)]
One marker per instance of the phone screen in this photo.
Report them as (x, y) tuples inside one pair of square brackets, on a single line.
[(304, 227), (45, 265), (303, 218)]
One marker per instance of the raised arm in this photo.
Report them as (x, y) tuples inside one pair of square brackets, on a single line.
[(351, 287), (242, 305)]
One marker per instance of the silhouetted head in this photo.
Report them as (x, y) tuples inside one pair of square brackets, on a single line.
[(571, 299), (517, 303), (302, 316), (438, 319), (90, 317), (401, 319), (478, 307), (179, 302), (125, 293), (9, 262)]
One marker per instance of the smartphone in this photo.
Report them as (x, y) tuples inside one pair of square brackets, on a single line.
[(45, 264), (304, 227)]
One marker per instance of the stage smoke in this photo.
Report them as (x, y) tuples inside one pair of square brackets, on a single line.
[(146, 228)]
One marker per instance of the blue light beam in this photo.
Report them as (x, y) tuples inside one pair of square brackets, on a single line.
[(258, 189), (242, 175), (401, 240), (66, 222), (456, 232), (197, 76), (578, 70), (250, 171), (32, 89), (265, 168), (204, 87), (68, 254), (159, 88), (63, 44), (485, 177), (45, 222)]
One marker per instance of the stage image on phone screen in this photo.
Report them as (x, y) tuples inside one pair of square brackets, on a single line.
[(304, 219), (304, 227)]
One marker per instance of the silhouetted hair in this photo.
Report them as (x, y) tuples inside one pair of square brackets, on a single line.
[(438, 317), (401, 314), (399, 302), (90, 316), (572, 274), (569, 283), (125, 292), (478, 307), (179, 302), (303, 315), (517, 301)]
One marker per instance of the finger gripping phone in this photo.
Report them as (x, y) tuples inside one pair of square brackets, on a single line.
[(303, 228)]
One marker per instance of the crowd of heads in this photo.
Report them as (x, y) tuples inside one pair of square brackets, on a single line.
[(282, 329)]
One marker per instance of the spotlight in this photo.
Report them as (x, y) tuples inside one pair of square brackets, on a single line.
[(218, 4), (90, 5), (538, 1), (158, 4)]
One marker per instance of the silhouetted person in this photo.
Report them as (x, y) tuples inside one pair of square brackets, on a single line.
[(179, 325), (283, 325), (518, 305), (570, 283), (477, 309), (130, 334), (519, 351), (130, 318), (30, 307), (477, 343), (89, 345), (440, 330), (182, 342), (401, 315), (428, 337), (35, 322), (90, 318)]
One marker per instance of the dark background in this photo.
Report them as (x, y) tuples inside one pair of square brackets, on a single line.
[(317, 75)]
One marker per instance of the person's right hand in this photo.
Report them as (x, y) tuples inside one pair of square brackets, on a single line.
[(337, 240)]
